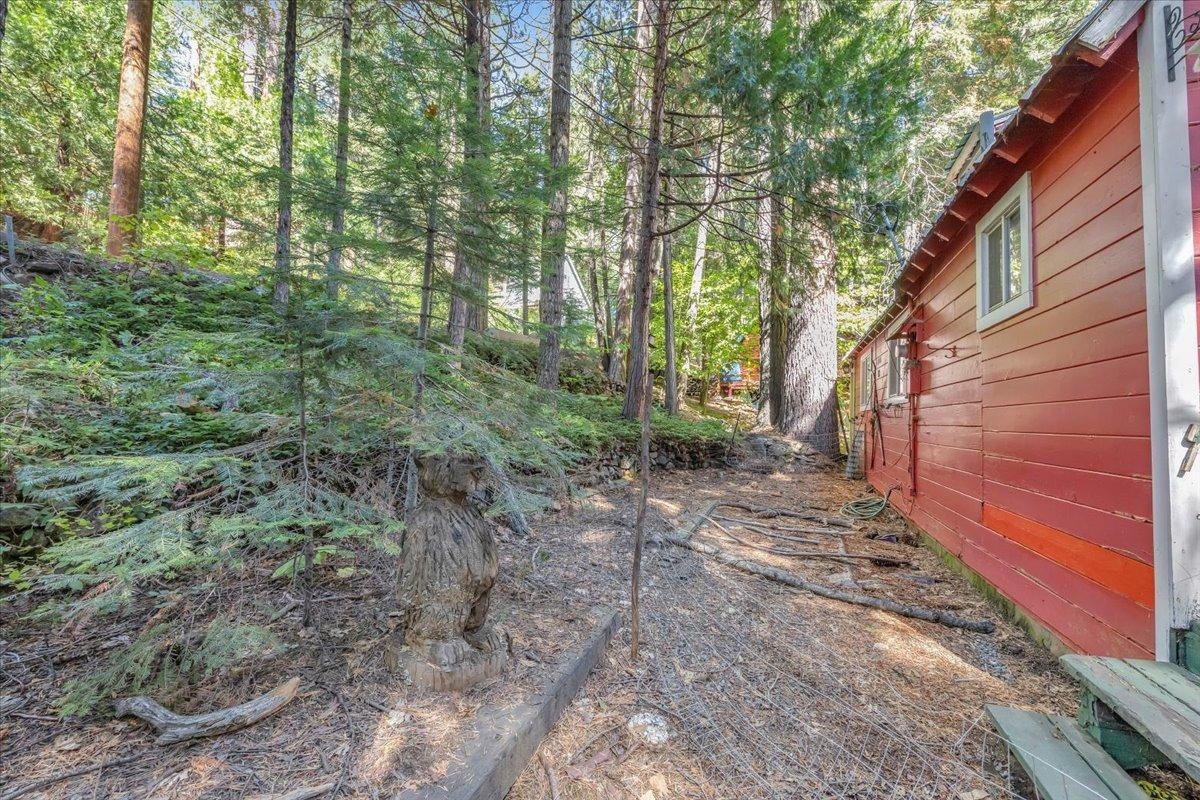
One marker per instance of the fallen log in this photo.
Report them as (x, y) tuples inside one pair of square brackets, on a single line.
[(796, 582), (174, 727)]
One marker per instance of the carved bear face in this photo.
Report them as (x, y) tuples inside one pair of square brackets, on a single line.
[(450, 475)]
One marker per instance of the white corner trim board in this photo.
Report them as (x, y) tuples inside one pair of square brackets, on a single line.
[(1171, 326)]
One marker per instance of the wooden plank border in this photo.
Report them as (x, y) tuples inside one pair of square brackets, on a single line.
[(506, 737)]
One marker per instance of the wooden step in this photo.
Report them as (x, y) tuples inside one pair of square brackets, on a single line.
[(1160, 701), (1063, 762)]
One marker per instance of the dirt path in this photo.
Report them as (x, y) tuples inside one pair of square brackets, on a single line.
[(768, 692), (765, 691)]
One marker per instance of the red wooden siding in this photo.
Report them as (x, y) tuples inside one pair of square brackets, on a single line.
[(1032, 438)]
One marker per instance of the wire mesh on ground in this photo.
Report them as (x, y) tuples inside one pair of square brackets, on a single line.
[(775, 712)]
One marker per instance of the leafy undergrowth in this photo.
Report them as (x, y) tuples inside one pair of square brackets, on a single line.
[(153, 440)]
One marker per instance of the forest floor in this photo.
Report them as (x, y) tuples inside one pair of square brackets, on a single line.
[(764, 691)]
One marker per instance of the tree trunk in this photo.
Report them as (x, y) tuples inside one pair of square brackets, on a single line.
[(671, 383), (3, 21), (283, 227), (764, 225), (343, 156), (596, 260), (131, 117), (597, 311), (550, 303), (633, 184), (608, 320), (468, 297), (691, 357), (636, 389), (778, 293), (809, 411)]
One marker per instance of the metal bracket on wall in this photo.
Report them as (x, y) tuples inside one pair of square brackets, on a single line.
[(1191, 441)]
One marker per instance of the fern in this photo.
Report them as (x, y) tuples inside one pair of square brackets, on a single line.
[(162, 659)]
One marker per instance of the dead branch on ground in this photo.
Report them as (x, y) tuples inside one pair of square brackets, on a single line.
[(174, 727), (796, 582)]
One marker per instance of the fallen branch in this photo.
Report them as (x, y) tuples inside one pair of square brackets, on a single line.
[(766, 512), (879, 561), (770, 530), (730, 534), (42, 783), (174, 727), (796, 582), (550, 779)]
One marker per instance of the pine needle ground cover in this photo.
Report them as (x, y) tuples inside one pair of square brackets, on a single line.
[(182, 468)]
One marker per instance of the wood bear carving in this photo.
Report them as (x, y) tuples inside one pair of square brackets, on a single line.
[(449, 568)]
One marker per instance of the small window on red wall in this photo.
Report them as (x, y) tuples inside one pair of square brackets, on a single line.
[(1004, 257), (866, 382)]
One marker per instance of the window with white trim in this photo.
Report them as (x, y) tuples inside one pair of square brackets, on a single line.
[(866, 381), (897, 368), (1004, 257)]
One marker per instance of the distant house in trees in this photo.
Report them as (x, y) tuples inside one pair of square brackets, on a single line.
[(1027, 396), (510, 294)]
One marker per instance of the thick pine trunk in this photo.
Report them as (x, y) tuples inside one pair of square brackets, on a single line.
[(550, 304), (637, 388), (343, 156), (469, 289), (283, 226), (809, 412), (633, 186), (131, 116)]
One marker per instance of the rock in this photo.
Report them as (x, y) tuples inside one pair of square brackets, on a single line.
[(843, 580), (188, 403), (650, 729), (43, 267), (18, 516)]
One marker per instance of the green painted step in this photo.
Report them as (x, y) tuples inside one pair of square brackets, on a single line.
[(1160, 701), (1063, 762)]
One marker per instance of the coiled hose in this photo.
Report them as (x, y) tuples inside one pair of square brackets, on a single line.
[(867, 507)]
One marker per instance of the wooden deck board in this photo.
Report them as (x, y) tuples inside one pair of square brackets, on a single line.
[(1062, 762), (1164, 717)]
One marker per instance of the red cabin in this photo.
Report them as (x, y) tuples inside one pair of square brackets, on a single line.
[(1027, 397)]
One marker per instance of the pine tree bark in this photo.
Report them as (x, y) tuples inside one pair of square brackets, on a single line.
[(637, 388), (469, 290), (671, 380), (778, 293), (809, 410), (633, 186), (131, 116), (764, 219), (283, 225), (692, 349), (338, 231), (550, 303)]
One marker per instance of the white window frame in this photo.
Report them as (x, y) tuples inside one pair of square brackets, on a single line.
[(1019, 196), (866, 379), (897, 368)]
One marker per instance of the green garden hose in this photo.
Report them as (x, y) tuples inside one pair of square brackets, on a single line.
[(867, 507)]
